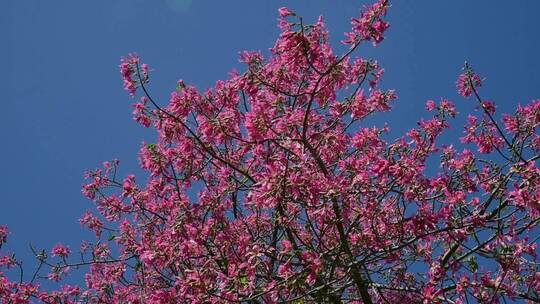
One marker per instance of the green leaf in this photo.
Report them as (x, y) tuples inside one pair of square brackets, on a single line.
[(507, 250), (243, 280), (138, 266), (473, 264), (151, 148)]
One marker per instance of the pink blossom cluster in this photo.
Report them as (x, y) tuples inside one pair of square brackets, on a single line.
[(370, 25), (132, 73), (61, 251), (467, 83), (3, 235)]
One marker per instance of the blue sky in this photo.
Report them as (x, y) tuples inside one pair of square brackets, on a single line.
[(64, 109)]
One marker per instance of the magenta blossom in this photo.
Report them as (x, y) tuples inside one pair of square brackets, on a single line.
[(467, 83), (3, 234), (60, 251)]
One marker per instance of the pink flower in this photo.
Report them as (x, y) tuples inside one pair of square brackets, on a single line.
[(141, 113), (285, 12), (148, 257), (128, 185), (370, 25), (489, 106), (132, 74), (7, 261), (285, 270), (61, 251), (430, 105), (467, 82), (286, 246), (3, 234), (54, 276), (430, 293), (448, 107), (92, 222)]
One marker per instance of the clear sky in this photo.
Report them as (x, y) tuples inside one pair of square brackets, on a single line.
[(64, 109)]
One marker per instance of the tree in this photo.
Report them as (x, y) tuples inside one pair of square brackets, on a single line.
[(298, 201)]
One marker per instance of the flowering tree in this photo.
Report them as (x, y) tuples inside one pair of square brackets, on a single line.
[(298, 202)]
